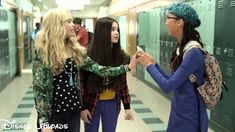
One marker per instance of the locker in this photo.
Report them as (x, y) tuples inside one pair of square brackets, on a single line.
[(1, 35), (1, 48), (1, 71), (224, 113), (4, 53), (12, 42), (142, 39)]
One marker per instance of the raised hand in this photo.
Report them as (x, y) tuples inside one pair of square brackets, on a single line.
[(133, 61), (145, 58)]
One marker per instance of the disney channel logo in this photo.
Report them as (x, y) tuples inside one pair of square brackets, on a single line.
[(13, 125)]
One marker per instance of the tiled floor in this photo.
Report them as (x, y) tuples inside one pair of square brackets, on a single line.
[(150, 109)]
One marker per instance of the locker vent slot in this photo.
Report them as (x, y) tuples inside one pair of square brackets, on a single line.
[(210, 7), (232, 4), (229, 71), (218, 51), (220, 4), (230, 53)]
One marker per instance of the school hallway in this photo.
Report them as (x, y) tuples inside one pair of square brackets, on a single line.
[(150, 109)]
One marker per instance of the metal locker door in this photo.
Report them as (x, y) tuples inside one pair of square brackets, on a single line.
[(142, 39), (1, 72), (224, 113)]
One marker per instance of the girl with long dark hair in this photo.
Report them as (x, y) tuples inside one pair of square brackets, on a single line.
[(102, 96)]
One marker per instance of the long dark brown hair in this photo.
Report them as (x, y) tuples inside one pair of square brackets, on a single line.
[(102, 51), (189, 33)]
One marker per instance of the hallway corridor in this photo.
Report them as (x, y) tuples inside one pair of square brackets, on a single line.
[(150, 109)]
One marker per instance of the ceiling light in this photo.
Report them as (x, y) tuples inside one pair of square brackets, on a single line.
[(71, 7), (76, 2), (45, 6)]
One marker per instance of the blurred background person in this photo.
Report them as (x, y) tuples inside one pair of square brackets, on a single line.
[(81, 32), (35, 31)]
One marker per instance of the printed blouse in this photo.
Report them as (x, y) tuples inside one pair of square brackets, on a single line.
[(43, 82)]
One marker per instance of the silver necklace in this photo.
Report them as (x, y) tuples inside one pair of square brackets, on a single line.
[(70, 73)]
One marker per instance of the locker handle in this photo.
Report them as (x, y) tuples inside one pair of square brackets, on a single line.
[(225, 51)]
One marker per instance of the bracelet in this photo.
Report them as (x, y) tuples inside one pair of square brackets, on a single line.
[(127, 69)]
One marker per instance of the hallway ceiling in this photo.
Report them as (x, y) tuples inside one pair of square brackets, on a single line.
[(89, 11)]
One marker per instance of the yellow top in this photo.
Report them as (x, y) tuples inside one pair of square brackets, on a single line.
[(107, 94)]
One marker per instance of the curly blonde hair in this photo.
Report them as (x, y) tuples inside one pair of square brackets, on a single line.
[(51, 41)]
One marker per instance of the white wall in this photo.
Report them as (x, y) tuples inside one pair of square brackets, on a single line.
[(89, 25), (103, 11), (122, 5), (25, 5)]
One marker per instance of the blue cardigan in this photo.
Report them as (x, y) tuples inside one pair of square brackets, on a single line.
[(184, 115)]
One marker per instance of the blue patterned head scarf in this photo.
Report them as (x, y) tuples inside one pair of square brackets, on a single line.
[(186, 12)]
